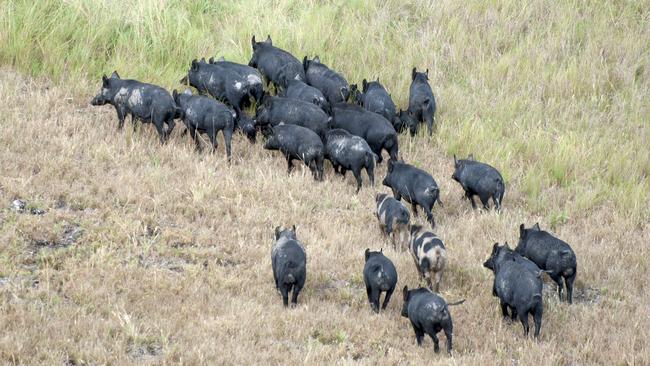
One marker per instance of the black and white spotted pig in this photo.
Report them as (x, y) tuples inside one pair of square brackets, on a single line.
[(144, 102), (393, 219), (429, 255), (203, 114), (289, 262)]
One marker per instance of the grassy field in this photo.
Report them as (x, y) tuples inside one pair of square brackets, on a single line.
[(155, 254)]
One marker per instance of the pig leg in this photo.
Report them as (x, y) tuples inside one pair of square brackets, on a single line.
[(513, 313), (504, 310), (161, 131), (212, 135), (227, 139), (569, 287), (195, 137), (289, 164), (121, 115), (496, 202), (523, 317), (537, 318), (449, 335), (470, 197), (343, 172), (284, 290), (485, 200), (396, 194), (436, 342), (414, 206), (370, 170), (428, 118), (374, 301), (294, 295), (438, 279), (558, 279), (419, 334), (357, 176), (389, 293), (427, 210)]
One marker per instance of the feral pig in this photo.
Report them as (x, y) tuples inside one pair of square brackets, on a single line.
[(479, 179), (296, 142), (332, 84), (219, 82), (144, 102), (297, 89), (276, 110), (393, 219), (429, 255), (379, 275), (376, 99), (274, 63), (289, 262), (415, 185), (372, 127), (249, 75), (205, 115), (350, 152), (429, 314), (551, 254), (516, 286), (422, 104)]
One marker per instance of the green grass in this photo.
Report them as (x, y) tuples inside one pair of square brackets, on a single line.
[(553, 94)]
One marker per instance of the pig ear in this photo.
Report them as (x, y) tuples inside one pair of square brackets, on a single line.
[(495, 247), (115, 75), (471, 157), (455, 160), (506, 245), (253, 43), (427, 73), (211, 60), (536, 227), (367, 253), (405, 291), (195, 64), (269, 40), (317, 59), (522, 231), (203, 60), (293, 228), (364, 84), (104, 81), (413, 73), (381, 250), (277, 232), (174, 93)]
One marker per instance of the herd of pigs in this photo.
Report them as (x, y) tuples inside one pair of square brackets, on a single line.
[(316, 116)]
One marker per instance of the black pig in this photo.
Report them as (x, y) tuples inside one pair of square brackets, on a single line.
[(298, 89), (289, 262), (205, 115), (551, 254), (250, 76), (429, 314), (144, 102), (516, 286), (276, 110), (297, 142), (275, 63), (422, 104), (372, 127), (350, 152), (479, 179), (379, 275), (415, 185), (330, 83)]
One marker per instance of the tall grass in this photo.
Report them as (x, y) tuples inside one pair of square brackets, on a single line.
[(554, 94)]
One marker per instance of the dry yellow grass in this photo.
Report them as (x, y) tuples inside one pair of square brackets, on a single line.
[(173, 263)]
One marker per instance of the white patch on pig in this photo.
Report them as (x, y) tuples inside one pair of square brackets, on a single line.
[(211, 80), (253, 79), (238, 85), (135, 98), (382, 216), (120, 96)]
